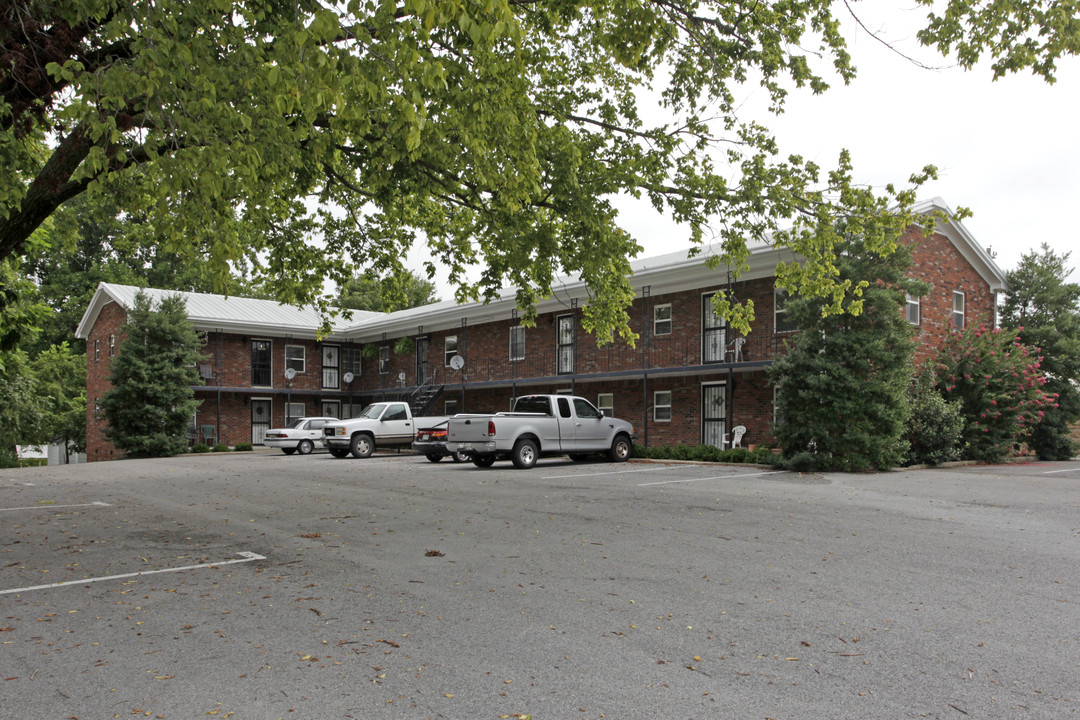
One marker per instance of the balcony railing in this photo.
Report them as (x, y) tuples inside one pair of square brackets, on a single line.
[(669, 352)]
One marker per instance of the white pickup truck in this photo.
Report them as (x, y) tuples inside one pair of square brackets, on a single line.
[(381, 424), (540, 425)]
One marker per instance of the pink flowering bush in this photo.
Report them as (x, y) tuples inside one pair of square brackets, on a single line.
[(998, 383)]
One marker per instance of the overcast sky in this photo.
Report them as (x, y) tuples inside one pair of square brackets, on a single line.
[(1009, 150)]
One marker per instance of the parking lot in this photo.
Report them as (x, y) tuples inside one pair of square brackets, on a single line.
[(261, 586)]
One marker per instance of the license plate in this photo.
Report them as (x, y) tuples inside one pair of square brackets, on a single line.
[(423, 437), (464, 446)]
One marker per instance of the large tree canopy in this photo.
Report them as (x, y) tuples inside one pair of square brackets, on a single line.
[(248, 131)]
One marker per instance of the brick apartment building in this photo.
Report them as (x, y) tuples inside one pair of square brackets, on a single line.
[(689, 379)]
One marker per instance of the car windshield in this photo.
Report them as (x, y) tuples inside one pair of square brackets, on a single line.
[(372, 411), (296, 423)]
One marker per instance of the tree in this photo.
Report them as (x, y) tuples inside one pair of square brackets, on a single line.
[(366, 292), (60, 382), (1045, 308), (89, 240), (151, 403), (249, 131), (22, 410), (841, 386), (997, 381)]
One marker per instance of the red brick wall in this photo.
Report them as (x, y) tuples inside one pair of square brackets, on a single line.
[(938, 262), (106, 331)]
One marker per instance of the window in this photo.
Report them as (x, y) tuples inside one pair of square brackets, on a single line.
[(564, 344), (97, 350), (713, 332), (913, 314), (780, 319), (261, 363), (351, 356), (293, 411), (450, 407), (662, 319), (605, 402), (662, 406), (517, 343), (957, 310), (112, 345), (384, 359), (331, 367), (450, 349), (294, 357)]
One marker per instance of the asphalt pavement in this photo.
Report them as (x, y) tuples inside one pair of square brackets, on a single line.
[(260, 586)]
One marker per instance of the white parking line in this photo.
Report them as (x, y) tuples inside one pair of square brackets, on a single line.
[(614, 472), (55, 507), (715, 477), (1051, 472), (244, 557)]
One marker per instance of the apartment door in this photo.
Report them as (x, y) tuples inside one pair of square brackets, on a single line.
[(423, 367), (261, 409), (714, 415)]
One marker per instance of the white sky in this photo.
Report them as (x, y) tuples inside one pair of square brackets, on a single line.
[(1009, 150)]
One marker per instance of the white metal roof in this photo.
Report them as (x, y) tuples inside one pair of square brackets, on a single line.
[(217, 312)]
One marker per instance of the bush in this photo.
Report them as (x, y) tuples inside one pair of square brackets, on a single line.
[(220, 447), (997, 382), (936, 425), (706, 453), (808, 462), (242, 447), (199, 448)]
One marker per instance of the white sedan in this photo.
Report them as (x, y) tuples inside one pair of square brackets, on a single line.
[(300, 435)]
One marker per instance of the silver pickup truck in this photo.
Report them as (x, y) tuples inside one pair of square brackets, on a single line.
[(540, 425)]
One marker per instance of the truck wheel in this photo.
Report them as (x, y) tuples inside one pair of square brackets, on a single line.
[(433, 457), (338, 452), (620, 449), (361, 446), (524, 454), (305, 447), (459, 457), (483, 460)]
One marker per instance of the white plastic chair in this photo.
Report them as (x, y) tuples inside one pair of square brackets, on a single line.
[(737, 433)]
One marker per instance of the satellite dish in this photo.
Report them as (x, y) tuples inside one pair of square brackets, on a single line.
[(290, 373), (457, 362), (348, 377)]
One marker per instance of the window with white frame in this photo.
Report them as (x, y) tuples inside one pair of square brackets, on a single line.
[(517, 342), (450, 349), (112, 345), (957, 310), (97, 350), (914, 315), (606, 403), (780, 315), (662, 319), (662, 406), (294, 357)]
